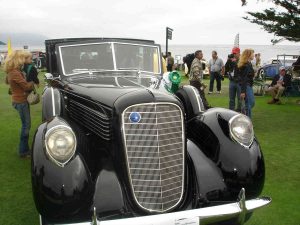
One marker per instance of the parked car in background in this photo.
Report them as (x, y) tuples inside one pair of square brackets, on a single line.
[(121, 143), (271, 69)]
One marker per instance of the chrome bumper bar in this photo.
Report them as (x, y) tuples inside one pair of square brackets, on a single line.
[(202, 216)]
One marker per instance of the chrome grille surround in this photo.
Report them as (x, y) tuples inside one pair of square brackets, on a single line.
[(155, 151)]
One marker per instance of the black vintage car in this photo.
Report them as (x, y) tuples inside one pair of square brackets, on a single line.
[(122, 143)]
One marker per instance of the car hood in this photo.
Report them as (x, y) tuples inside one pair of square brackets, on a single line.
[(108, 94)]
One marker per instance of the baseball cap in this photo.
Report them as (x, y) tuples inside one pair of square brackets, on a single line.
[(235, 50), (282, 68)]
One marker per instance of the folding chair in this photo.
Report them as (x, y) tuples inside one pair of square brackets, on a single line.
[(286, 94)]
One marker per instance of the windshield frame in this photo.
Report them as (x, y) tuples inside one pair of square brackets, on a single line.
[(115, 69)]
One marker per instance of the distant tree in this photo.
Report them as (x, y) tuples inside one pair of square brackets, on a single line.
[(283, 21)]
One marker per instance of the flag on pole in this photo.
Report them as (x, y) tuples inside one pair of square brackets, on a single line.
[(9, 48), (237, 41)]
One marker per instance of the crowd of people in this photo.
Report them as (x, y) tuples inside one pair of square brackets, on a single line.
[(241, 69)]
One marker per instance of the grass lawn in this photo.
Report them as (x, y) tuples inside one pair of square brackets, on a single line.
[(276, 126)]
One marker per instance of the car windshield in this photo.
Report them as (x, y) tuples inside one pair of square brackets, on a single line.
[(283, 61), (102, 57)]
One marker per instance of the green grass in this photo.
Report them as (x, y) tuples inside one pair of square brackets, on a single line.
[(276, 126)]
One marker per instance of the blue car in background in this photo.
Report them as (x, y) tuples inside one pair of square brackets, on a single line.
[(272, 69)]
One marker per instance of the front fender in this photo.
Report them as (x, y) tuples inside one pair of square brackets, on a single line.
[(209, 179), (58, 191), (51, 104), (241, 167)]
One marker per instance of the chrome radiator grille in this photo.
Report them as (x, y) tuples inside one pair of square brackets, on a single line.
[(154, 141)]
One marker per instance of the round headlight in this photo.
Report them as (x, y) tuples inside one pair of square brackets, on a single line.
[(60, 144), (241, 130)]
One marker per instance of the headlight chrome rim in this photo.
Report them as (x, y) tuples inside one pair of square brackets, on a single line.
[(246, 144), (60, 128)]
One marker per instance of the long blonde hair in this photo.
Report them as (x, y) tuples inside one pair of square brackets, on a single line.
[(244, 59), (14, 61)]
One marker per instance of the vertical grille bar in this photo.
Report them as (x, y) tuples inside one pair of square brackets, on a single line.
[(155, 154)]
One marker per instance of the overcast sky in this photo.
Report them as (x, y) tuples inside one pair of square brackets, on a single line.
[(193, 21)]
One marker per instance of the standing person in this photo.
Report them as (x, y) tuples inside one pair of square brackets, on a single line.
[(170, 62), (164, 63), (231, 70), (30, 70), (20, 89), (216, 71), (196, 75), (256, 63), (245, 77)]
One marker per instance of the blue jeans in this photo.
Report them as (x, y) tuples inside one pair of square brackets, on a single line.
[(213, 76), (249, 101), (24, 112), (234, 93)]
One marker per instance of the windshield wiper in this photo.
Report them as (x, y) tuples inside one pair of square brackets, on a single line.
[(137, 70), (128, 68), (90, 71)]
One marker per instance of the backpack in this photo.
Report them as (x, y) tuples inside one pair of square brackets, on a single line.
[(189, 59), (28, 69), (26, 73)]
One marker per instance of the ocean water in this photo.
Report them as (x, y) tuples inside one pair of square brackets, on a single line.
[(267, 51)]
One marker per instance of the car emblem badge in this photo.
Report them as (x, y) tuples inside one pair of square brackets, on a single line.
[(135, 117)]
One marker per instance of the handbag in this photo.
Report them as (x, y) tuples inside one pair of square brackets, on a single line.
[(33, 97)]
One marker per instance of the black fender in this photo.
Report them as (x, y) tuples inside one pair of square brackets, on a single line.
[(208, 177), (191, 100), (59, 192), (240, 166), (51, 104), (108, 198)]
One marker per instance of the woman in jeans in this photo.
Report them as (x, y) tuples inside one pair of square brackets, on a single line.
[(20, 89), (245, 79)]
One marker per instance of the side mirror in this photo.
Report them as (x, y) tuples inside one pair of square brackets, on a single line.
[(51, 80)]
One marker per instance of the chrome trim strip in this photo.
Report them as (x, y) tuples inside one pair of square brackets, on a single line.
[(155, 112), (113, 55), (197, 98), (183, 146), (94, 217), (154, 123), (53, 102), (40, 219)]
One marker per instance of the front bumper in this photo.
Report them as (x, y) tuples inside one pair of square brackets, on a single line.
[(202, 216)]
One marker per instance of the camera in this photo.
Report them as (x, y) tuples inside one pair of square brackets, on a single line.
[(231, 56)]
